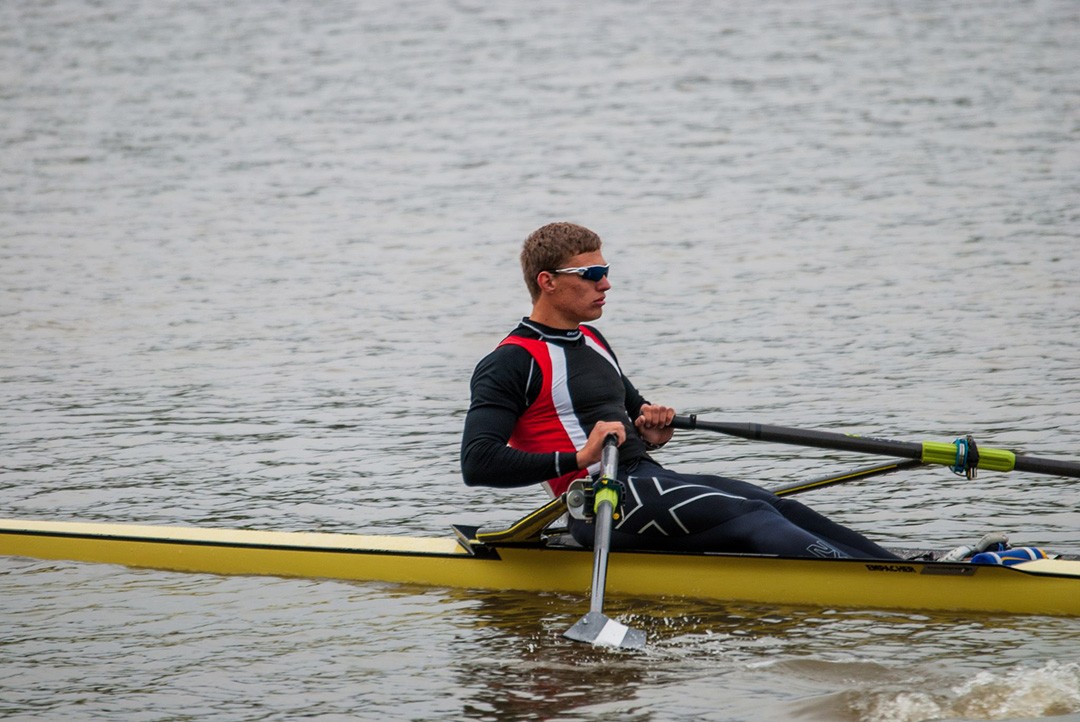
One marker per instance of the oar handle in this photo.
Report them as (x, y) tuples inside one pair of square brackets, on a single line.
[(609, 457), (606, 487)]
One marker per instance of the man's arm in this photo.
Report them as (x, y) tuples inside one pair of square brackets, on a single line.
[(504, 384)]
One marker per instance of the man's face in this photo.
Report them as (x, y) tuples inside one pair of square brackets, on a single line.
[(576, 298)]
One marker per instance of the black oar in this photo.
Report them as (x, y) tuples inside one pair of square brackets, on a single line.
[(961, 454), (595, 627)]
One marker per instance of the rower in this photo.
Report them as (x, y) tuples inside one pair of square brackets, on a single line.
[(545, 399)]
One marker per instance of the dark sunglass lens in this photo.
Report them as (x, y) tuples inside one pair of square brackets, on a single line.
[(594, 273)]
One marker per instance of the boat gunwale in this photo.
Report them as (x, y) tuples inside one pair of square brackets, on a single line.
[(395, 545), (462, 549)]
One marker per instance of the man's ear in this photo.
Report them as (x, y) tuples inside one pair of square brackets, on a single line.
[(546, 281)]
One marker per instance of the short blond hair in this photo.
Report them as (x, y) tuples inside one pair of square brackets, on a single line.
[(549, 246)]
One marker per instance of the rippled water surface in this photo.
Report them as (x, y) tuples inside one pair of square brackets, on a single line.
[(250, 254)]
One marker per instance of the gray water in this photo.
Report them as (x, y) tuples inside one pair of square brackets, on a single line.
[(251, 252)]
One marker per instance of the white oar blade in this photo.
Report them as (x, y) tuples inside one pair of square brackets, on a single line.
[(596, 628)]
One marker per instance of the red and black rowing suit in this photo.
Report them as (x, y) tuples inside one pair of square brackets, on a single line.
[(535, 399)]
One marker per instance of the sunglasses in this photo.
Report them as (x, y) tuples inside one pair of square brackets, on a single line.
[(589, 273)]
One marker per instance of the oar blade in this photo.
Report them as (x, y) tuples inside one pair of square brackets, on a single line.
[(598, 629)]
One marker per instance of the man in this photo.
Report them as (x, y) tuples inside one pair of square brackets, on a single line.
[(546, 398)]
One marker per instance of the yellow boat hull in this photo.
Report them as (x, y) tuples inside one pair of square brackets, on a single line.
[(1050, 587)]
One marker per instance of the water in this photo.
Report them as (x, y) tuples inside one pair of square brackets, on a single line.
[(251, 253)]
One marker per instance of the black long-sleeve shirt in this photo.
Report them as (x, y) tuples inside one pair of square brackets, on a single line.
[(508, 380)]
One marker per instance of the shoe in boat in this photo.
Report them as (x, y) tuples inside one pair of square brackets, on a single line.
[(994, 542)]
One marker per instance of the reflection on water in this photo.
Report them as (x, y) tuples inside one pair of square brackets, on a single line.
[(817, 664)]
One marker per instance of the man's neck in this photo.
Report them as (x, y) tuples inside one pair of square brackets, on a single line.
[(552, 332), (552, 320), (553, 316)]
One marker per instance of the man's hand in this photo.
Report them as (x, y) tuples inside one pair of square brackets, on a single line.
[(654, 424), (594, 446)]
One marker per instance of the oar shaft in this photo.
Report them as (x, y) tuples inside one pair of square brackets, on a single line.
[(604, 512), (928, 452), (803, 437), (604, 509), (1038, 465), (821, 482)]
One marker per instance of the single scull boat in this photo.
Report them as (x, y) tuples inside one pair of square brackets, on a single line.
[(1045, 586)]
